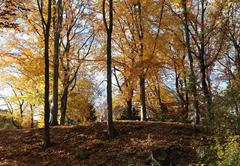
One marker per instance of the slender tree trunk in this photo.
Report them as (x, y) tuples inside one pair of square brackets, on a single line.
[(129, 106), (129, 109), (142, 75), (15, 124), (64, 99), (186, 99), (32, 115), (159, 101), (192, 79), (46, 96), (111, 129), (21, 110), (143, 98), (203, 68), (178, 89), (46, 74), (46, 25), (237, 58), (158, 93), (57, 31), (237, 63)]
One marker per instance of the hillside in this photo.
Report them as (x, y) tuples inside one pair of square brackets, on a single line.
[(88, 145)]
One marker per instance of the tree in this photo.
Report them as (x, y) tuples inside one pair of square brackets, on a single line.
[(138, 23), (208, 42), (203, 65), (126, 88), (192, 78), (109, 28), (9, 12), (233, 32), (138, 9), (46, 25), (57, 23), (76, 43)]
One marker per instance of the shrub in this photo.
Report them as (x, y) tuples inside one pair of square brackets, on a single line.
[(220, 151)]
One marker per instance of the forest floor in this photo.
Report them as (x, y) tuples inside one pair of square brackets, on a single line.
[(88, 145)]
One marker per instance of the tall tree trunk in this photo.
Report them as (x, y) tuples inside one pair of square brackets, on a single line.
[(111, 129), (64, 99), (57, 30), (46, 96), (141, 53), (46, 31), (192, 79), (203, 68)]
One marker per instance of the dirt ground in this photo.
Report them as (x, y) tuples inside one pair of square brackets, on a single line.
[(87, 145)]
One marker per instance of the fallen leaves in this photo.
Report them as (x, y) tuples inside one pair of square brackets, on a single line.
[(133, 145)]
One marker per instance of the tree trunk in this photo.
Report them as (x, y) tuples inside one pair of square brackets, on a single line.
[(158, 91), (21, 111), (129, 107), (180, 94), (46, 31), (64, 99), (192, 79), (186, 99), (32, 115), (207, 96), (237, 48), (143, 99), (111, 129), (57, 31), (142, 75), (46, 76), (237, 59)]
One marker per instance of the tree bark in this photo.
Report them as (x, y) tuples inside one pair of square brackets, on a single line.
[(207, 96), (143, 98), (32, 115), (186, 99), (129, 106), (64, 99), (46, 75), (46, 96), (238, 63), (192, 79), (111, 129), (57, 31), (142, 75), (46, 25)]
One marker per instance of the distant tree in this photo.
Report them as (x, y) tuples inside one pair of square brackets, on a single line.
[(233, 32), (76, 43)]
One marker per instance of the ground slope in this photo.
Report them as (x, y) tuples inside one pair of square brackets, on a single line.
[(88, 145)]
